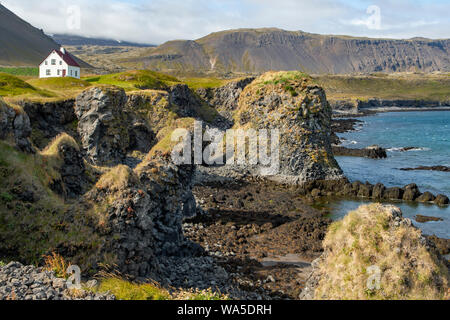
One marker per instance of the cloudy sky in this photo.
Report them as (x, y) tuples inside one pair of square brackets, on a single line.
[(156, 21)]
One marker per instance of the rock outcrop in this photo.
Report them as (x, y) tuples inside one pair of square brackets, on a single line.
[(63, 155), (15, 126), (225, 99), (360, 107), (49, 119), (107, 131), (291, 103), (374, 253), (428, 168), (379, 191), (372, 152), (144, 213)]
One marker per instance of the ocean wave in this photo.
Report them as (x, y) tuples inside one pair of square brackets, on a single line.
[(407, 149), (349, 142)]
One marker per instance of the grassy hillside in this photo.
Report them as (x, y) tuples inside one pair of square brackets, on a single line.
[(63, 87), (21, 71), (135, 80), (383, 86), (13, 86)]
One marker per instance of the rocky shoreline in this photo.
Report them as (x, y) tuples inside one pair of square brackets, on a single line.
[(121, 200), (425, 168), (345, 108), (372, 152)]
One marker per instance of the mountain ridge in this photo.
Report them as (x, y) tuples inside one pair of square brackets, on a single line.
[(265, 49), (75, 40), (21, 44)]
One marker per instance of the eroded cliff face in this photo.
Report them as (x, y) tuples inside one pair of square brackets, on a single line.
[(225, 99), (291, 103), (15, 126), (140, 213)]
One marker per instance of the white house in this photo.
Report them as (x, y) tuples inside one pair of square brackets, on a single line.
[(59, 64)]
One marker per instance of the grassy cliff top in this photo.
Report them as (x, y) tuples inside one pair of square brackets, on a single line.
[(281, 77), (14, 86), (136, 80)]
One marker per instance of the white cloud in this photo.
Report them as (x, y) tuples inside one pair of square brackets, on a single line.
[(156, 21)]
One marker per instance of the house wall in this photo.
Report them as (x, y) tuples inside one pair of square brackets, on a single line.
[(73, 72), (60, 65)]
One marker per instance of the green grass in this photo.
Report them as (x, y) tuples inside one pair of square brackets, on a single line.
[(125, 290), (67, 83), (13, 86), (285, 78), (205, 83), (21, 71), (407, 86), (6, 197), (136, 80)]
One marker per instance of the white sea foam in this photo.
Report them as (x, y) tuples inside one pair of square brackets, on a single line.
[(402, 149)]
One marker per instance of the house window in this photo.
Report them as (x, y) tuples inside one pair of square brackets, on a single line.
[(53, 62), (70, 72), (59, 72), (48, 72), (60, 63), (46, 62), (76, 73)]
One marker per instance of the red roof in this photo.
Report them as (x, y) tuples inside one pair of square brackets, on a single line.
[(66, 57)]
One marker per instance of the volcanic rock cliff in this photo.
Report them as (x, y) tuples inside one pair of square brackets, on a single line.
[(291, 103)]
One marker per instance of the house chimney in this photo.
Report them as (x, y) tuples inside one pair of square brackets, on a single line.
[(63, 51)]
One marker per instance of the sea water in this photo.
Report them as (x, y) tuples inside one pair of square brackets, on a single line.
[(428, 132)]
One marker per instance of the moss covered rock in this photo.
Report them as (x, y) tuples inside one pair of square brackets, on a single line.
[(298, 108), (374, 253)]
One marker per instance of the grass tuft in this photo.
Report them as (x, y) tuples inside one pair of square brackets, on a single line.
[(56, 263), (125, 290), (118, 178)]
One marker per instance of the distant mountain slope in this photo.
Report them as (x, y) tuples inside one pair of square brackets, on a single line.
[(73, 40), (21, 44), (259, 50)]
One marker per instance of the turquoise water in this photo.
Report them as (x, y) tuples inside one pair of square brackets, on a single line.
[(429, 133)]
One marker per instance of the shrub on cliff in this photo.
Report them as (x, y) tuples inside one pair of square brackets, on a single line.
[(375, 241)]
